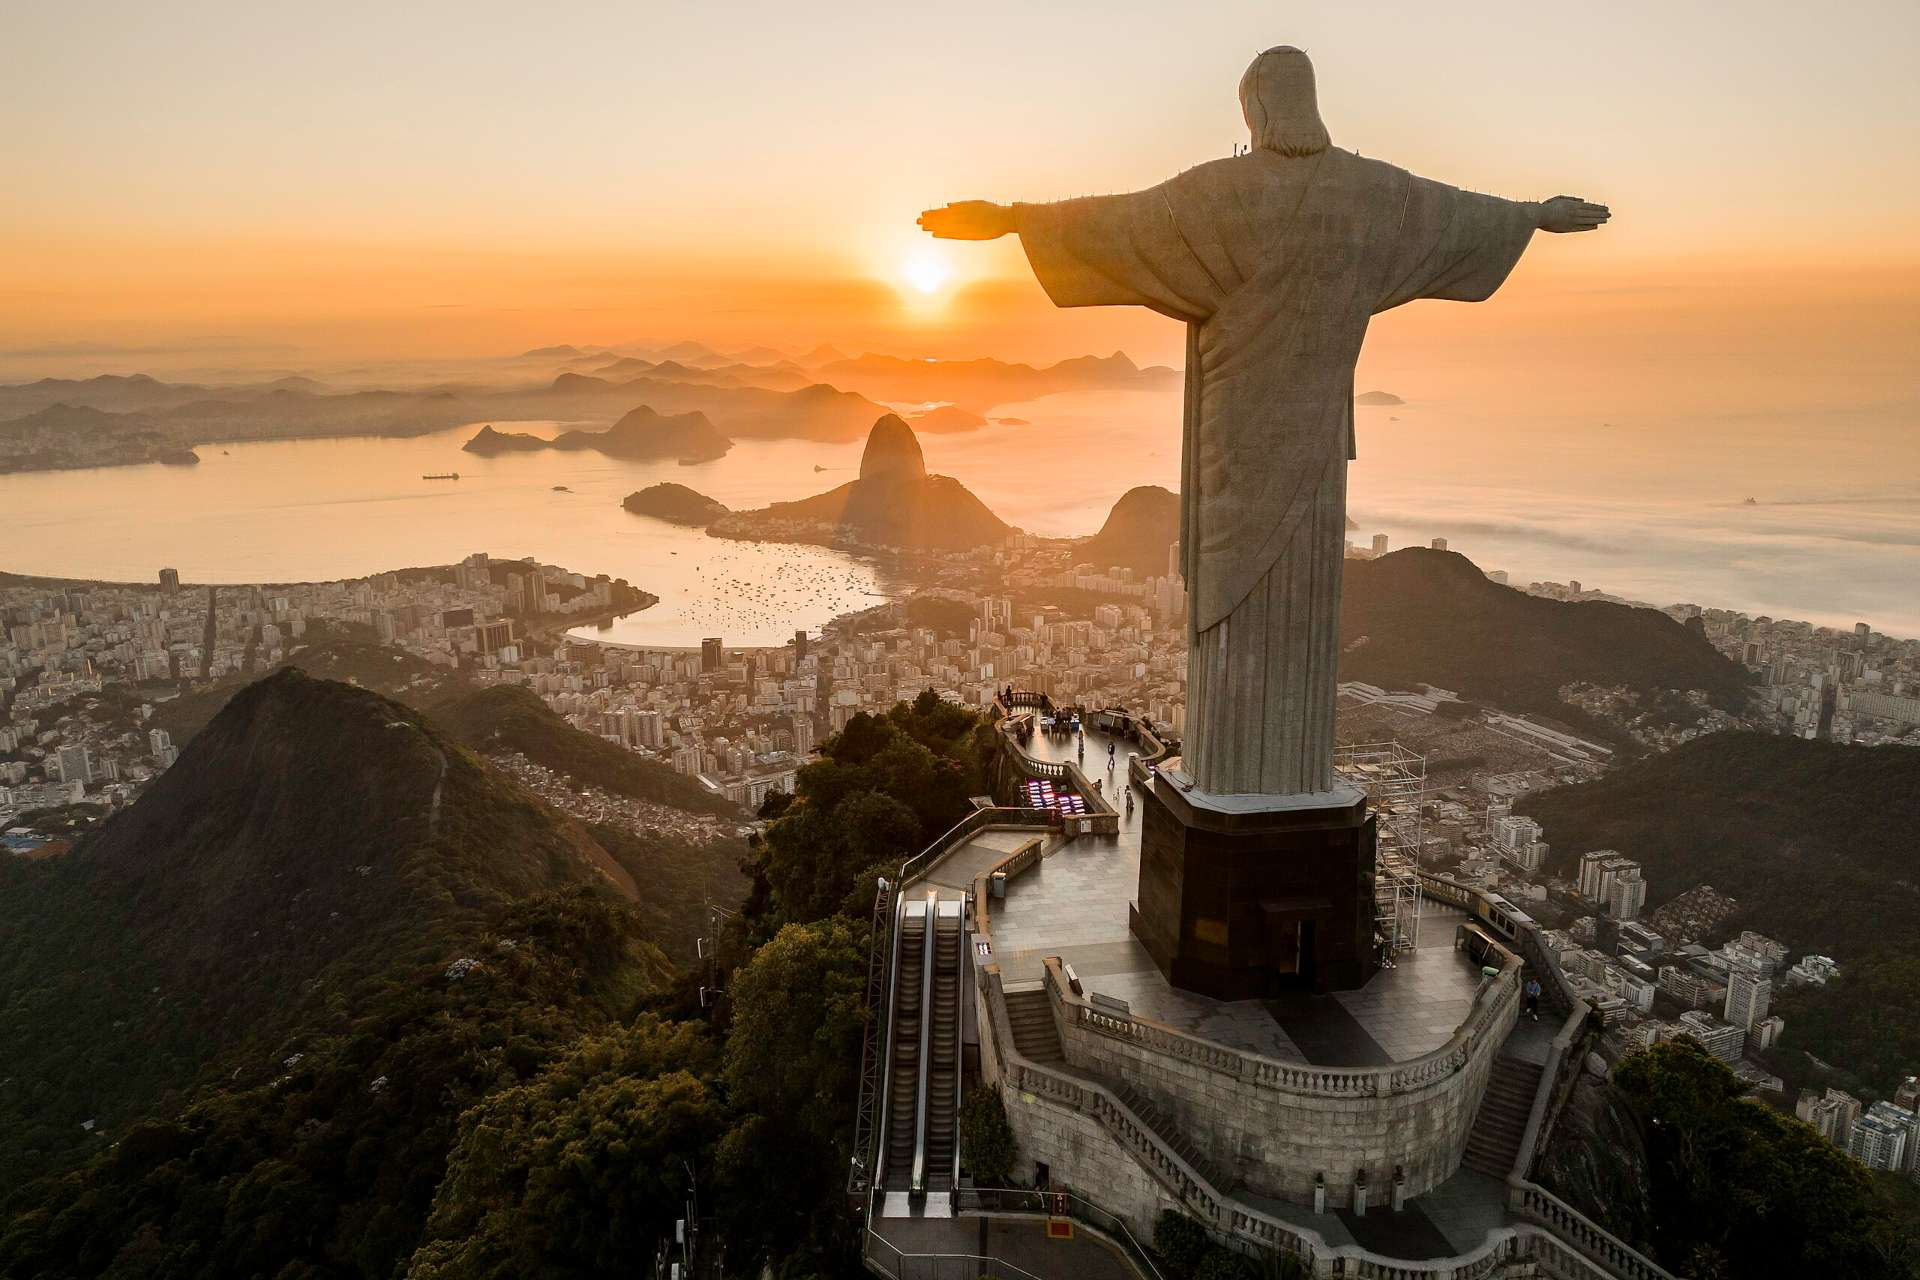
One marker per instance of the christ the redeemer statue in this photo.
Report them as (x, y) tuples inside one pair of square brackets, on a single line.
[(1275, 260)]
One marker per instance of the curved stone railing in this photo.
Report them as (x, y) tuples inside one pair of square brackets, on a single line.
[(1571, 1229), (1491, 1005), (1552, 1235), (1101, 817), (1021, 700)]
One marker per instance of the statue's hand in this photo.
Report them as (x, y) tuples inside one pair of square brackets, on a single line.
[(968, 220), (1571, 213)]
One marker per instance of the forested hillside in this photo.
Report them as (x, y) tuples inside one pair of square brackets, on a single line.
[(1432, 616), (335, 998)]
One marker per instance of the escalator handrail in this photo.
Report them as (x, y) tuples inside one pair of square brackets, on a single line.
[(959, 1036), (893, 1014), (918, 1184)]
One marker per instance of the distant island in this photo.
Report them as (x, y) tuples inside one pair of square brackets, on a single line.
[(894, 504), (1374, 398), (642, 434), (946, 417), (676, 504)]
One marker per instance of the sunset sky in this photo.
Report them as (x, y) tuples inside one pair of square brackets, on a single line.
[(298, 187)]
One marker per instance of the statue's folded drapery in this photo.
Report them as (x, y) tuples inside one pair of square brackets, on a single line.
[(1275, 264)]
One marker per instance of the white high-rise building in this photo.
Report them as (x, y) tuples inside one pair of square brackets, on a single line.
[(1517, 840), (75, 764), (1627, 894), (1717, 1038), (1599, 870), (1879, 1138), (1749, 995)]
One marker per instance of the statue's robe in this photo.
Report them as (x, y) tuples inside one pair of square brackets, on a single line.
[(1275, 264)]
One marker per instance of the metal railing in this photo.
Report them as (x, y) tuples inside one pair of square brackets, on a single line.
[(1011, 1201), (968, 827), (885, 1257), (872, 1053)]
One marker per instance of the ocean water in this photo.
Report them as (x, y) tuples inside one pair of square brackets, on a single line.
[(1649, 508)]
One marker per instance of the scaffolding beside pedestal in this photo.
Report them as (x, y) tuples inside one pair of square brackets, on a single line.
[(1395, 781)]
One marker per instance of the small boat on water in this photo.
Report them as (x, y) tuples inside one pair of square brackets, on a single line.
[(444, 475)]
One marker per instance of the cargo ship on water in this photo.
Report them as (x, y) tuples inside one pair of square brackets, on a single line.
[(444, 475)]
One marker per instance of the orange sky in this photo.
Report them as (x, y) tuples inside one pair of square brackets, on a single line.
[(219, 184)]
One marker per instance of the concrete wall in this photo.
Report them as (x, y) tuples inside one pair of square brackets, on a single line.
[(1081, 1155), (1276, 1141)]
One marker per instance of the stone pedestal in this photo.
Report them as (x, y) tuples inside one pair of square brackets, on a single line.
[(1243, 897)]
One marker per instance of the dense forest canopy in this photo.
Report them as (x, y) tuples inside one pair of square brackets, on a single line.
[(339, 999)]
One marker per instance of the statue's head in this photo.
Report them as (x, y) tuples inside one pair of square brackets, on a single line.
[(1282, 109)]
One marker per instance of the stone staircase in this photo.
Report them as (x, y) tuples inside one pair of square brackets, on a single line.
[(1494, 1141), (1034, 1033), (1150, 1114)]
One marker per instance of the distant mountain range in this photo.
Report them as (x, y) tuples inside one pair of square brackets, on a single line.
[(642, 434), (978, 385), (813, 412), (893, 503), (757, 393)]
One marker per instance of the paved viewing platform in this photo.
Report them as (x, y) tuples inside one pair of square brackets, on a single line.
[(1075, 905)]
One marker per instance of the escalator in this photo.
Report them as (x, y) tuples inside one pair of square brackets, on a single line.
[(902, 1105), (941, 1117)]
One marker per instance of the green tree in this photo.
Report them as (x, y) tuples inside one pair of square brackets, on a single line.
[(1182, 1243), (1740, 1190), (580, 1171), (794, 1047), (986, 1139)]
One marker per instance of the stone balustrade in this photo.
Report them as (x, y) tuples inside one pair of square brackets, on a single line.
[(1552, 1239), (1495, 999), (1607, 1253)]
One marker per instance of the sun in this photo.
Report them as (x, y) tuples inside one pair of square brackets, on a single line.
[(926, 272)]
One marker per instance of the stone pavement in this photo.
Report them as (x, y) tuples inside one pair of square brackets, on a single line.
[(1074, 905), (1009, 1248)]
